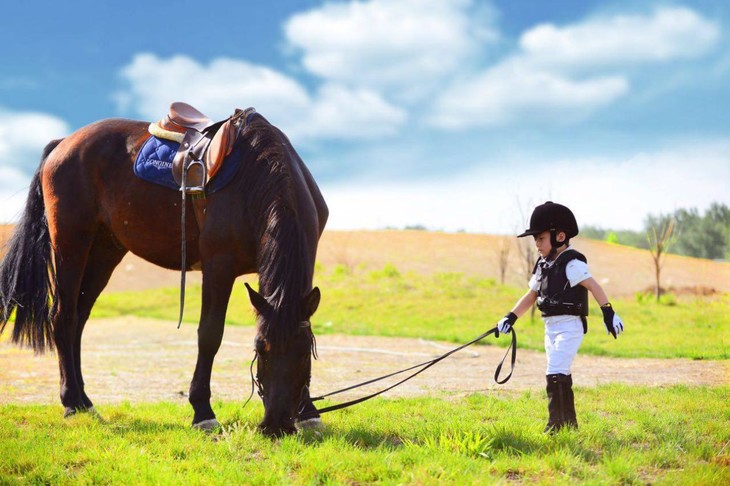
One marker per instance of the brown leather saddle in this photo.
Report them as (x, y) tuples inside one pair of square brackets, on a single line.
[(204, 144)]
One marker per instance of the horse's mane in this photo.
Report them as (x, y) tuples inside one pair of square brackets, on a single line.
[(283, 265)]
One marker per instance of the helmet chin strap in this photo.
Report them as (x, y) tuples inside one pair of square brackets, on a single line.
[(554, 244)]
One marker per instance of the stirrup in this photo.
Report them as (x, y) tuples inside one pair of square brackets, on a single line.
[(195, 190)]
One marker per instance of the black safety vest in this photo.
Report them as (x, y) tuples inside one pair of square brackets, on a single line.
[(555, 296)]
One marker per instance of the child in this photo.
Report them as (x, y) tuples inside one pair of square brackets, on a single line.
[(560, 284)]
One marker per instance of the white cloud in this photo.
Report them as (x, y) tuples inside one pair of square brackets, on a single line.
[(623, 191), (216, 89), (340, 112), (667, 34), (533, 84), (13, 192), (403, 46), (612, 193), (517, 92), (23, 135)]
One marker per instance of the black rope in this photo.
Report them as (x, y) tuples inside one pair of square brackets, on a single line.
[(423, 367)]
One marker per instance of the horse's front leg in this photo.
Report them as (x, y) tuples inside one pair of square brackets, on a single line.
[(218, 278)]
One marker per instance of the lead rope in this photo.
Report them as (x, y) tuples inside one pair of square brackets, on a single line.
[(423, 367)]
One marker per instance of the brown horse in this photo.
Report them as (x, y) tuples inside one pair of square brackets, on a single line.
[(86, 209)]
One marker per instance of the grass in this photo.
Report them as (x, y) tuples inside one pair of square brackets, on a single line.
[(453, 307), (628, 435)]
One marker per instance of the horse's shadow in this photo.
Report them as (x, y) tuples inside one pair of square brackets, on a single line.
[(501, 439)]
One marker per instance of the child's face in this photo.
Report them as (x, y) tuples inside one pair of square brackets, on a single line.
[(542, 242)]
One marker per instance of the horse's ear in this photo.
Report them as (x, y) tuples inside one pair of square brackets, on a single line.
[(257, 300), (311, 301)]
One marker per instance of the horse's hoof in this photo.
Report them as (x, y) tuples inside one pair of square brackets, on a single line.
[(310, 424), (207, 425), (71, 411)]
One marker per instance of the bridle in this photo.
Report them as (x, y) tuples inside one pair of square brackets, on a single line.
[(256, 382)]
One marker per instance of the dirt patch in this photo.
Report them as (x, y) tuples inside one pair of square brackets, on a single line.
[(138, 360)]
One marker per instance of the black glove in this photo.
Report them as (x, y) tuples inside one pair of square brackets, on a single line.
[(505, 324), (613, 323)]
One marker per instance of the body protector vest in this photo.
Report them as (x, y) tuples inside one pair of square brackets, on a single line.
[(555, 296)]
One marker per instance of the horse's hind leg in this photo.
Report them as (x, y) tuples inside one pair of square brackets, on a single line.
[(71, 253), (104, 256)]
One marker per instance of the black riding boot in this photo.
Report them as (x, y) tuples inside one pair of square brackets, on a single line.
[(571, 419), (560, 403)]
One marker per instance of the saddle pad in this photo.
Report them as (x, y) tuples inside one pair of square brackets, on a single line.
[(154, 164)]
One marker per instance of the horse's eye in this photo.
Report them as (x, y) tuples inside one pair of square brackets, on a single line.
[(261, 345)]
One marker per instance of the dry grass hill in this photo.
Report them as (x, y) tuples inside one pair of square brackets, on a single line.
[(621, 270)]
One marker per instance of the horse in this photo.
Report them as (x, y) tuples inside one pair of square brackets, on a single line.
[(86, 209)]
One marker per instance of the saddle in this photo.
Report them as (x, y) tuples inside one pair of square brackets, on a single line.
[(203, 144)]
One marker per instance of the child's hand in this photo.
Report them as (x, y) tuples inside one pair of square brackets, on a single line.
[(614, 325), (505, 324)]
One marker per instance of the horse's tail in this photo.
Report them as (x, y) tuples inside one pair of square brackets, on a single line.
[(27, 276)]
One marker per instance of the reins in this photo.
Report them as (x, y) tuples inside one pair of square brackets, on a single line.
[(423, 367)]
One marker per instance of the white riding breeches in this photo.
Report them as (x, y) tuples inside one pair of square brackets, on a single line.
[(563, 336)]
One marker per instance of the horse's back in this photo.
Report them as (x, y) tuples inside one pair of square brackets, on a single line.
[(70, 173), (88, 182), (92, 151)]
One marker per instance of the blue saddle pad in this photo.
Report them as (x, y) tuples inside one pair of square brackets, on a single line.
[(154, 164)]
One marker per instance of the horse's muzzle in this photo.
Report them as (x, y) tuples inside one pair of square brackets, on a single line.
[(277, 430)]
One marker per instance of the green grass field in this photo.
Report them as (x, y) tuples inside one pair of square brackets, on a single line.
[(452, 307), (628, 435)]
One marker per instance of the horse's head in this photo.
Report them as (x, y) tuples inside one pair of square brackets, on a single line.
[(284, 361)]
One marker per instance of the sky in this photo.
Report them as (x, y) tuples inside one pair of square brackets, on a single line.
[(455, 115)]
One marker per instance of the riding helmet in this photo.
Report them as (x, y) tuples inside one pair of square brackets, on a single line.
[(552, 216)]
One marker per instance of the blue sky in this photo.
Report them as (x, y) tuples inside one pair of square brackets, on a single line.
[(453, 114)]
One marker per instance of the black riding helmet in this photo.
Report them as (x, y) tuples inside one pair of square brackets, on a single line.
[(552, 217)]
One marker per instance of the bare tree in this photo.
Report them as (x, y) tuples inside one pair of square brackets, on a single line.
[(527, 251), (503, 251), (660, 236), (528, 256)]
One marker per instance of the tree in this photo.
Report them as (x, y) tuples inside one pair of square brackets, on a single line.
[(503, 258), (660, 235), (528, 256)]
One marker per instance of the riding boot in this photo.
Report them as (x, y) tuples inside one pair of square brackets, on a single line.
[(571, 419), (556, 412), (561, 403)]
